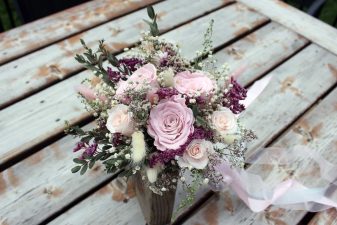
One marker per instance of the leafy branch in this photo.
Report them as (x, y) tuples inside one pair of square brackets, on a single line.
[(94, 61), (153, 23)]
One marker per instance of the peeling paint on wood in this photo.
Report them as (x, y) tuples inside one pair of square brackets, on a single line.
[(333, 70), (61, 54), (2, 183), (13, 179), (211, 214), (35, 35)]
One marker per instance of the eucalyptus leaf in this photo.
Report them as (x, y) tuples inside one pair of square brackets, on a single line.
[(150, 12), (79, 161), (91, 164), (84, 169), (75, 169)]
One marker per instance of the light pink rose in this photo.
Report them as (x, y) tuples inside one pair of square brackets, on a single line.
[(196, 154), (193, 84), (145, 75), (120, 120), (170, 123), (224, 121)]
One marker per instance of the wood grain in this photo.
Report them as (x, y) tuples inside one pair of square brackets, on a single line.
[(29, 37), (313, 29), (261, 51), (53, 63), (273, 54), (328, 217), (45, 111), (321, 121), (42, 184), (267, 123)]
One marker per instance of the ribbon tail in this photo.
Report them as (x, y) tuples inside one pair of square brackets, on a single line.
[(289, 193)]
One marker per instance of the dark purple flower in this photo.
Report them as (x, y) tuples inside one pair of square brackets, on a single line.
[(132, 63), (166, 93), (233, 96), (168, 155), (117, 139), (91, 149), (114, 76), (79, 146)]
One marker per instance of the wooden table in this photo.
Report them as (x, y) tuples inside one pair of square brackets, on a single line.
[(38, 72)]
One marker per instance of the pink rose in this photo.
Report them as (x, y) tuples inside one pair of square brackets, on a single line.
[(193, 84), (170, 123), (145, 75), (224, 121), (120, 120), (196, 154)]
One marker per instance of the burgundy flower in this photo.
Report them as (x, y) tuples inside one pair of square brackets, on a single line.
[(168, 155), (233, 96), (91, 149), (117, 139), (132, 63), (166, 93), (114, 76)]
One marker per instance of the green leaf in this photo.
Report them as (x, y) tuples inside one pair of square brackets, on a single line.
[(79, 161), (106, 147), (75, 169), (91, 164), (150, 12), (86, 139), (84, 169)]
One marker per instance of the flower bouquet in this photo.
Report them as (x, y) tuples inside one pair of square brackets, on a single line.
[(162, 119)]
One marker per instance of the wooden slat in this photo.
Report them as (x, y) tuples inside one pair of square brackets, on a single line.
[(261, 51), (29, 37), (264, 37), (306, 25), (320, 121), (39, 186), (328, 217), (270, 123), (28, 74), (41, 116), (295, 90)]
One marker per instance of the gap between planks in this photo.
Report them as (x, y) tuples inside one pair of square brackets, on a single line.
[(204, 201), (22, 30), (270, 25), (313, 106), (24, 90), (86, 204), (32, 147)]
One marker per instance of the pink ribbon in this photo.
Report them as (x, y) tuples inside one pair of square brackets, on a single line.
[(291, 193)]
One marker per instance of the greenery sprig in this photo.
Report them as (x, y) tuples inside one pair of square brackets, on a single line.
[(153, 23)]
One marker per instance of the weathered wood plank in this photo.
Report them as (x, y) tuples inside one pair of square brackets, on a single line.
[(264, 38), (42, 184), (41, 116), (299, 87), (261, 51), (328, 217), (259, 117), (304, 24), (39, 69), (29, 37), (106, 206)]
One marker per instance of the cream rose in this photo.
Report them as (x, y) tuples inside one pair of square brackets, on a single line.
[(224, 121), (120, 120), (196, 154)]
